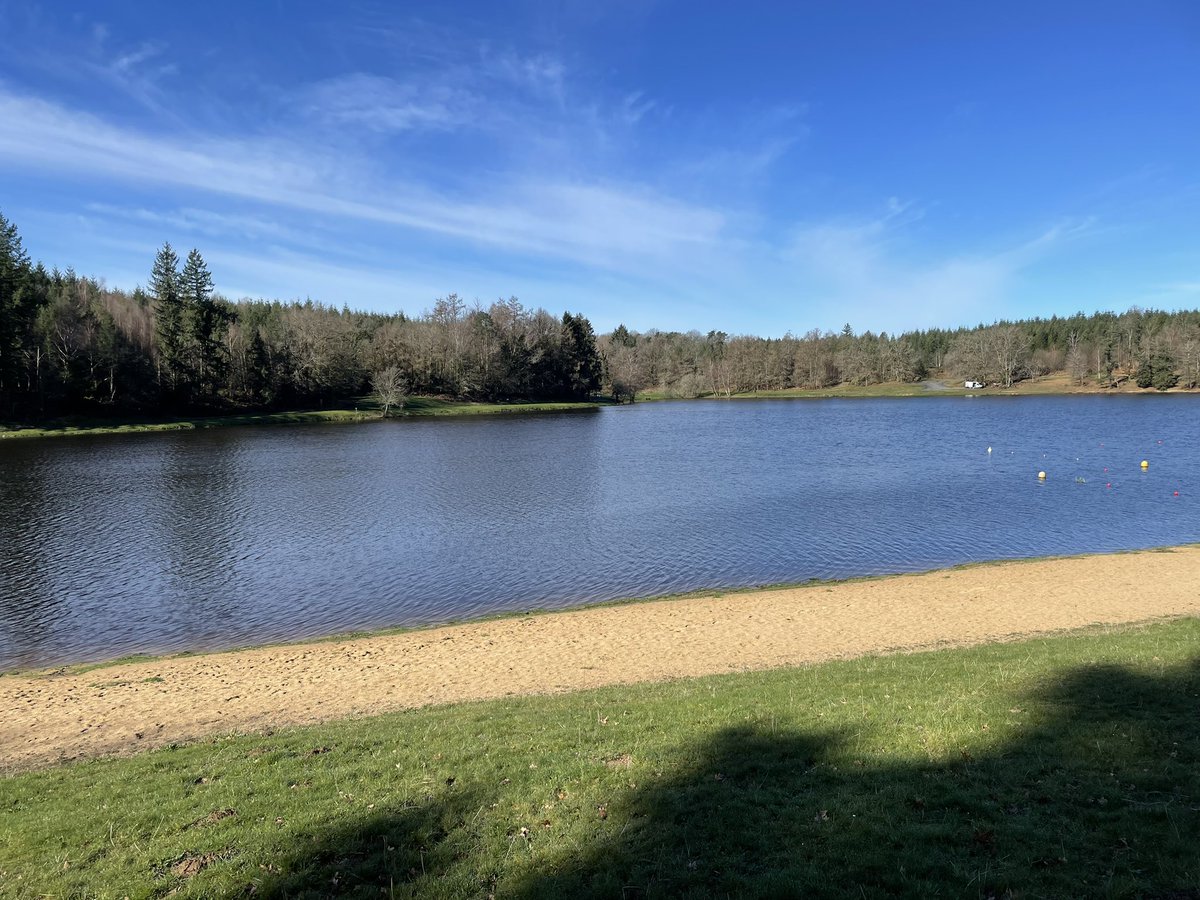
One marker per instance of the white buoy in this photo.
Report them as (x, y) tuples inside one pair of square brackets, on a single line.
[(1041, 476), (989, 449)]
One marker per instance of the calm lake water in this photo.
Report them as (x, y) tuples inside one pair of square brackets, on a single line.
[(222, 538)]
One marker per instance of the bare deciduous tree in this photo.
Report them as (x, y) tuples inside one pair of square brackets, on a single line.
[(1076, 359), (1011, 349), (391, 389)]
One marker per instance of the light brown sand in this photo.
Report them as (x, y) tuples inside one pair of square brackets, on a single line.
[(116, 709)]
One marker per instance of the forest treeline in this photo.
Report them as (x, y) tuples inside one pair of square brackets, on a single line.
[(1153, 348), (70, 345)]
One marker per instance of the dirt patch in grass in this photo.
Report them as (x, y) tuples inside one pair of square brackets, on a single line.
[(191, 864), (212, 818)]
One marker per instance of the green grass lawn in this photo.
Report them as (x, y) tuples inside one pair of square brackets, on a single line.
[(367, 410), (1058, 767)]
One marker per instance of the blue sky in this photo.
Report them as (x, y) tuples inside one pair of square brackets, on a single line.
[(753, 167)]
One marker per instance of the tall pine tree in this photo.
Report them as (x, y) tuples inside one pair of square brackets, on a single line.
[(582, 368), (13, 275), (169, 321), (207, 320), (15, 302)]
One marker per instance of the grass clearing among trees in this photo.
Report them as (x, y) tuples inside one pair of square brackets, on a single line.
[(1064, 766)]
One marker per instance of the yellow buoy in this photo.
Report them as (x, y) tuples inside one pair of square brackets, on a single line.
[(1042, 476), (1145, 464)]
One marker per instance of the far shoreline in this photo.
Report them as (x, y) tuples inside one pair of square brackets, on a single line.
[(1043, 386), (366, 409)]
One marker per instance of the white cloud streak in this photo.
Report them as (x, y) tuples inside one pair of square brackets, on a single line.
[(609, 225), (301, 199), (387, 105), (859, 267)]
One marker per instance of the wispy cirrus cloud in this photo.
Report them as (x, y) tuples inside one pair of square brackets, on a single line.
[(631, 237), (192, 220), (541, 73), (621, 226), (140, 73), (423, 159), (388, 105), (744, 156), (484, 90), (870, 267), (89, 53), (131, 61), (635, 106), (440, 79)]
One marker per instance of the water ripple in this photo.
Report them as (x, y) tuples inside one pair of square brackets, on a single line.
[(225, 538)]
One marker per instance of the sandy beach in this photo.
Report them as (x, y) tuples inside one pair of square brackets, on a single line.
[(51, 717)]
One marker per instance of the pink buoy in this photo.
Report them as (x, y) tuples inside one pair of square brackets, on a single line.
[(1177, 493)]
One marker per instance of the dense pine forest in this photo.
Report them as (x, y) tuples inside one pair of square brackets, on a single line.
[(71, 346)]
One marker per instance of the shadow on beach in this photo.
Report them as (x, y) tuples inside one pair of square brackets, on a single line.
[(1101, 796)]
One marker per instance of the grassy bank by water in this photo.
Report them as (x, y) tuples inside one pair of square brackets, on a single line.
[(432, 406), (368, 411), (365, 411), (841, 390), (1047, 385), (1066, 766)]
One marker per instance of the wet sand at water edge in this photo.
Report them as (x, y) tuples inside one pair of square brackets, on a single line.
[(48, 717)]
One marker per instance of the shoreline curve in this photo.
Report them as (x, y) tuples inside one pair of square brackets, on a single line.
[(126, 707)]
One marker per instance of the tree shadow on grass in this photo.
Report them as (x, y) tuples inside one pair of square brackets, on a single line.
[(1100, 796), (388, 854), (1100, 799)]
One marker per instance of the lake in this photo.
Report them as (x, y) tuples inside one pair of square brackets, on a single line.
[(228, 537)]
